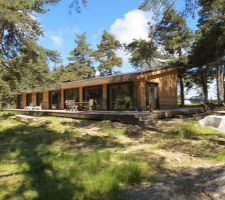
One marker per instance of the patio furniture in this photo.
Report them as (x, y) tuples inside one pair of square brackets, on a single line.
[(38, 107), (71, 105), (30, 107), (90, 105)]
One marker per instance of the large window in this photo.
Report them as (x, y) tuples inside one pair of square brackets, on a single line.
[(121, 97), (71, 94), (94, 93), (19, 104), (39, 98), (54, 100), (28, 99)]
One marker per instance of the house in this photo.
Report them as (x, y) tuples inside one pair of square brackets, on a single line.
[(156, 89)]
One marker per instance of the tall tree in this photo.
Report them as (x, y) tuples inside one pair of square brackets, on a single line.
[(175, 37), (81, 61), (209, 49), (18, 23), (30, 68), (18, 26), (106, 54)]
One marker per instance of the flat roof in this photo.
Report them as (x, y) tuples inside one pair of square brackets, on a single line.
[(111, 79)]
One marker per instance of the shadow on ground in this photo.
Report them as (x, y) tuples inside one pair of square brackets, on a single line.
[(40, 178), (188, 184)]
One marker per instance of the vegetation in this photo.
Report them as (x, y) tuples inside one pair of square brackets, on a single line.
[(106, 54), (200, 59), (72, 159), (81, 61)]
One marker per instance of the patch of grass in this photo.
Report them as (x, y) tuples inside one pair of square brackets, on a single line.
[(219, 157), (191, 130), (5, 115), (109, 129)]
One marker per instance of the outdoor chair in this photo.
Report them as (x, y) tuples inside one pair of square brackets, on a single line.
[(30, 107), (38, 107), (90, 105), (71, 105)]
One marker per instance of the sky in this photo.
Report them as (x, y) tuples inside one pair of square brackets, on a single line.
[(119, 17)]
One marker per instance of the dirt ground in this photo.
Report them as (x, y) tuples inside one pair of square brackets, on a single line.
[(183, 173)]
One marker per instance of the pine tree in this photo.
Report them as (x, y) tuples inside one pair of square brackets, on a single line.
[(81, 61), (18, 23), (209, 48), (106, 54), (30, 68), (175, 37)]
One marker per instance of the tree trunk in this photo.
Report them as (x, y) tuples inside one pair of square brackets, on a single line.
[(220, 84), (204, 87), (181, 82)]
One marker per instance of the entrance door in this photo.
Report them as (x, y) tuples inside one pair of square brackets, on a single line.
[(54, 100), (152, 94)]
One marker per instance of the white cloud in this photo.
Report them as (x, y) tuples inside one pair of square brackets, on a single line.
[(134, 25), (57, 40), (57, 36)]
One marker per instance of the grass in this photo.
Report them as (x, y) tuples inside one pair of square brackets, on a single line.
[(110, 129), (190, 130), (61, 160), (41, 162)]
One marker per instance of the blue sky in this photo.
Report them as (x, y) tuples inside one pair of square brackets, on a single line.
[(120, 17)]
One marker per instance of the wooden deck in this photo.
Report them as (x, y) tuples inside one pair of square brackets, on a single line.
[(130, 117)]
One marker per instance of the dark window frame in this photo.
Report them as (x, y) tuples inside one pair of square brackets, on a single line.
[(28, 99), (39, 100), (50, 99), (133, 95)]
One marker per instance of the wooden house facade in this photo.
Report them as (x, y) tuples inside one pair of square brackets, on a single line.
[(152, 89)]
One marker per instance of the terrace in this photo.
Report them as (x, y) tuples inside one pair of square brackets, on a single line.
[(129, 117)]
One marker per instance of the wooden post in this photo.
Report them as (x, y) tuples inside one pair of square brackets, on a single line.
[(46, 100), (62, 99), (142, 94), (81, 94), (34, 99), (104, 96)]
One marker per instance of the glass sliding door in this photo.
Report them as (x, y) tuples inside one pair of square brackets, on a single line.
[(54, 100), (39, 98), (28, 99), (121, 97), (19, 104), (94, 93), (71, 94), (152, 96)]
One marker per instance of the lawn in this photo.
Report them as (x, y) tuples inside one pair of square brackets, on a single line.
[(78, 159)]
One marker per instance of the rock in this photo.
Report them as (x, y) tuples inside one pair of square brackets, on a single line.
[(30, 119)]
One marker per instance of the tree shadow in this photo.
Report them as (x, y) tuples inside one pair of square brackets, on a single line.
[(40, 176), (6, 115), (199, 183), (80, 123), (95, 142)]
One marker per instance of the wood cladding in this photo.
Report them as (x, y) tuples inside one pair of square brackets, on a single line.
[(165, 78)]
